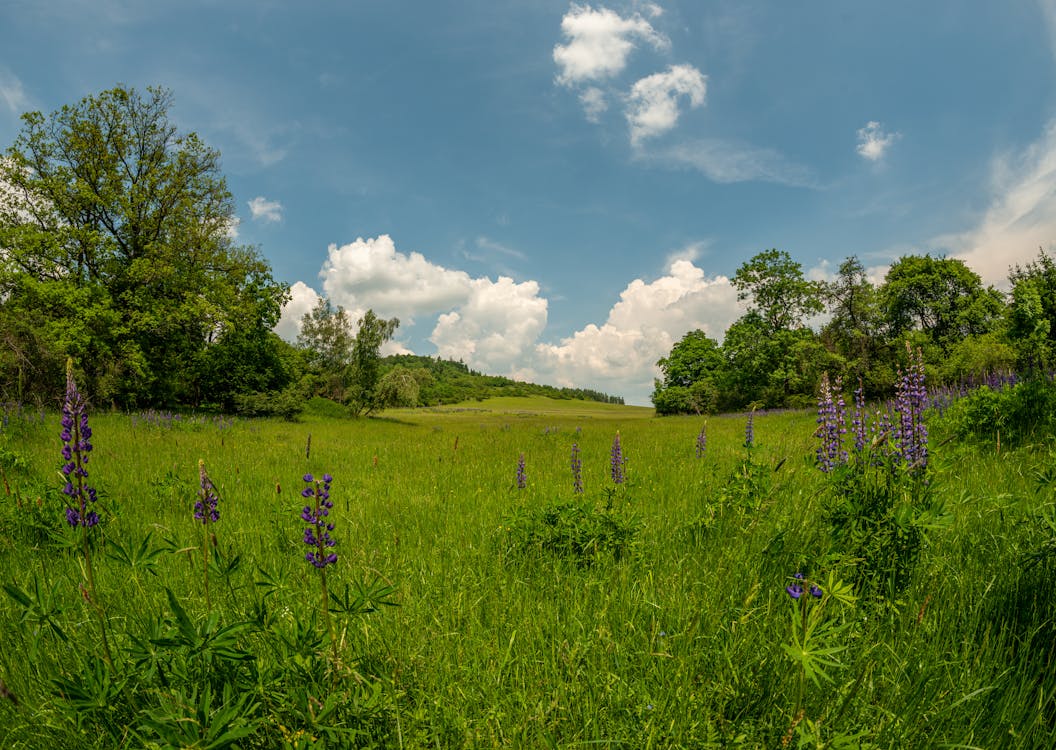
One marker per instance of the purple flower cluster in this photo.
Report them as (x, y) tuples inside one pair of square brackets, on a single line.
[(911, 399), (317, 533), (749, 431), (617, 461), (831, 429), (577, 470), (522, 475), (76, 445), (206, 510), (858, 421), (702, 441), (795, 589)]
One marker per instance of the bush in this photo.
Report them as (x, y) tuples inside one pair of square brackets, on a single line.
[(1013, 415)]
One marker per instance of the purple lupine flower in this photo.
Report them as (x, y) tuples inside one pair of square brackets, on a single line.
[(831, 429), (858, 421), (749, 431), (317, 533), (794, 590), (617, 461), (911, 399), (702, 441), (815, 591), (522, 475), (577, 470), (76, 445), (206, 510)]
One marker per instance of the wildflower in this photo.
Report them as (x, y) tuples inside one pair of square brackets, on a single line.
[(795, 589), (815, 591), (617, 460), (205, 510), (76, 445), (749, 431), (858, 422), (831, 427), (911, 399), (522, 475), (702, 441), (577, 470), (317, 533)]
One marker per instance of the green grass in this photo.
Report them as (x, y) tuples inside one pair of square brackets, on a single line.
[(679, 644)]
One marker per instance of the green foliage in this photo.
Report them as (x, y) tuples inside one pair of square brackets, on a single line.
[(941, 297), (779, 294), (1032, 313), (575, 531), (1010, 416), (118, 253)]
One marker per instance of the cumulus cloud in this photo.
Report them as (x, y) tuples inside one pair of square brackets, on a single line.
[(495, 327), (498, 325), (302, 299), (874, 141), (372, 273), (264, 210), (621, 354), (599, 43), (1021, 216), (653, 103)]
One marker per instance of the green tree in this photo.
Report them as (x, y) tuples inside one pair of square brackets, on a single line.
[(1032, 313), (365, 365), (941, 297), (107, 200), (689, 374), (773, 284), (326, 336)]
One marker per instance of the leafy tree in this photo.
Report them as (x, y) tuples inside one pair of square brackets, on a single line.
[(108, 205), (1032, 312), (365, 365), (689, 372), (326, 336), (941, 297), (775, 286)]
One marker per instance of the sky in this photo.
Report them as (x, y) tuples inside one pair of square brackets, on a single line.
[(559, 191)]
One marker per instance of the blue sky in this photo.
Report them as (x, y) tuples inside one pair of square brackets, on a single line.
[(559, 191)]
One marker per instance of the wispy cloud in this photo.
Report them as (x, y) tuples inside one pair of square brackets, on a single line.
[(874, 141), (12, 94), (729, 161), (264, 210), (486, 243), (1021, 216), (599, 43), (652, 105), (594, 103)]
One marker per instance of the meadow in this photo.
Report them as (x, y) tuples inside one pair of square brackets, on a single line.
[(467, 611)]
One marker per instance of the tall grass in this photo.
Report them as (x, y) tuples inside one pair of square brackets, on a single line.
[(678, 643)]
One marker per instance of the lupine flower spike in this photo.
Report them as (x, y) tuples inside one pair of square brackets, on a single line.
[(76, 445), (749, 431), (702, 441), (522, 475), (617, 461), (206, 511), (317, 537), (577, 470), (831, 427)]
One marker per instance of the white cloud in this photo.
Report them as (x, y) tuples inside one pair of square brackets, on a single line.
[(495, 327), (371, 273), (263, 209), (652, 105), (728, 161), (486, 243), (599, 43), (873, 141), (1021, 216), (11, 92), (594, 104), (620, 355), (302, 299)]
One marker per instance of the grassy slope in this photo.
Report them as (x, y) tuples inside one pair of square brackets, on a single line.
[(680, 645)]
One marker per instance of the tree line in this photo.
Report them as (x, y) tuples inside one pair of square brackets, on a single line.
[(773, 357), (118, 250)]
